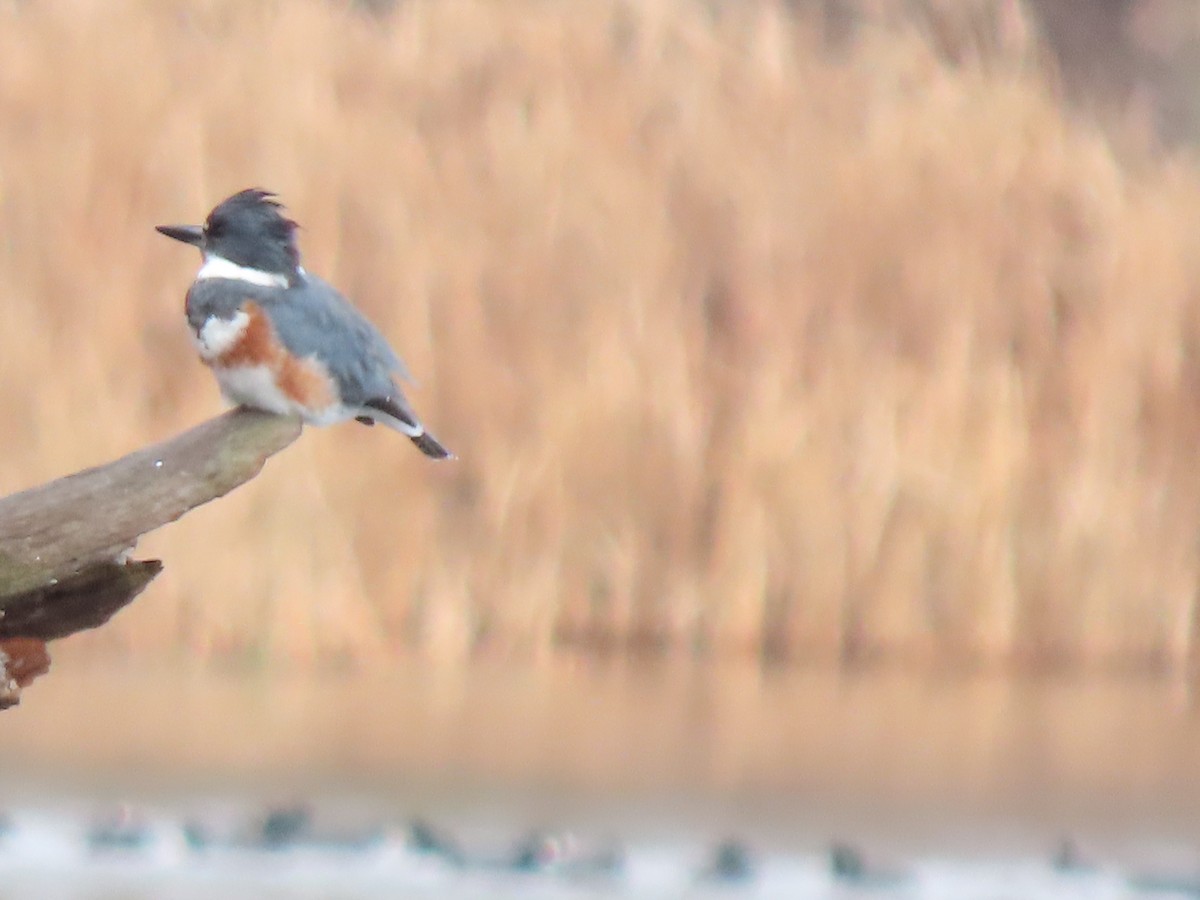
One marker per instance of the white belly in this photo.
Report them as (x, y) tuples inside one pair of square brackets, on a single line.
[(255, 386)]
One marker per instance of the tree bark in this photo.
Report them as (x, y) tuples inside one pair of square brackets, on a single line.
[(64, 545)]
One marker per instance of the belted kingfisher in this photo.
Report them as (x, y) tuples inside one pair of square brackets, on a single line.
[(281, 340)]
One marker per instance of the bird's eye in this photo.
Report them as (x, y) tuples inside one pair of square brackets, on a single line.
[(212, 229)]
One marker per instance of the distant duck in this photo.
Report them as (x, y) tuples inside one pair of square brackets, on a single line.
[(285, 826), (563, 853), (731, 862), (427, 839), (282, 828), (847, 863), (122, 828), (298, 826), (1069, 858)]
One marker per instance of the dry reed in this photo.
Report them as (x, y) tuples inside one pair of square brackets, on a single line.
[(747, 344)]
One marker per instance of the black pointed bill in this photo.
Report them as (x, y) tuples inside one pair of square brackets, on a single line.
[(188, 234)]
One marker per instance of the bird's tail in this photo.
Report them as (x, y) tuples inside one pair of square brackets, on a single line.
[(430, 446), (394, 413)]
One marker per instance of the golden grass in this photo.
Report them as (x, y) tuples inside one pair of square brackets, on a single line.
[(746, 345)]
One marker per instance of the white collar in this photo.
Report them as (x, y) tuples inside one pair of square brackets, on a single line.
[(220, 267)]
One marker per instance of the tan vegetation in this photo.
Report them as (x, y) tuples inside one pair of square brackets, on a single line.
[(747, 344)]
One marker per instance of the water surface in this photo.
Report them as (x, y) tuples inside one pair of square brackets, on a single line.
[(975, 778)]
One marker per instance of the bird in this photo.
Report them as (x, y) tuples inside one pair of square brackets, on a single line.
[(282, 340)]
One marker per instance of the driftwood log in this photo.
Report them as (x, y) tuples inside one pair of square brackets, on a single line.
[(64, 546)]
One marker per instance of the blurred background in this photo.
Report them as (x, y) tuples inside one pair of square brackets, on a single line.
[(824, 379)]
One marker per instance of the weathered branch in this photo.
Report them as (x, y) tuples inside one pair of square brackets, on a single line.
[(63, 545), (55, 531), (86, 600)]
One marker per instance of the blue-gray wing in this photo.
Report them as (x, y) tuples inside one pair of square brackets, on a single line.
[(313, 319)]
